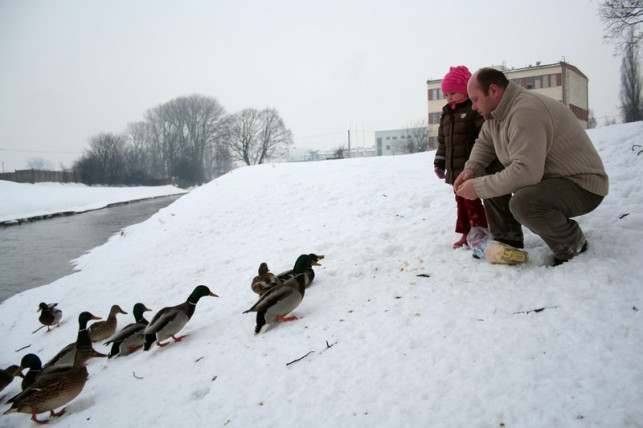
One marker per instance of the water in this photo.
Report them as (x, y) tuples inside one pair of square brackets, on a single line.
[(33, 254)]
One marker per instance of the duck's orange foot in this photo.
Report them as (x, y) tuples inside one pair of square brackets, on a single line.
[(292, 318), (162, 344), (56, 415), (35, 419), (134, 348), (178, 339)]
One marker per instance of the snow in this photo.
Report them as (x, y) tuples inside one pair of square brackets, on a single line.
[(470, 344), (25, 201)]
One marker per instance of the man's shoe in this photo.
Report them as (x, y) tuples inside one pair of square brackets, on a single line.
[(558, 262), (511, 243), (505, 254)]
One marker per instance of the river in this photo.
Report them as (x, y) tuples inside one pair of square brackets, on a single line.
[(38, 253)]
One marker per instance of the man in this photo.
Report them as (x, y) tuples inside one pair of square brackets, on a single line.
[(552, 172)]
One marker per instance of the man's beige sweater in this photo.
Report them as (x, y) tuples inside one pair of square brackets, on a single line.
[(536, 138)]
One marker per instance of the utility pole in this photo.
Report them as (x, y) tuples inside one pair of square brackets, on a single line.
[(349, 143)]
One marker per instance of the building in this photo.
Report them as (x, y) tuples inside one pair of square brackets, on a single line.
[(561, 81), (400, 141)]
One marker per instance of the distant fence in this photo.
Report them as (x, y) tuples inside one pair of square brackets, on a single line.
[(40, 176)]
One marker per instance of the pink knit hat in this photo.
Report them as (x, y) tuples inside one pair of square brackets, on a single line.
[(456, 80)]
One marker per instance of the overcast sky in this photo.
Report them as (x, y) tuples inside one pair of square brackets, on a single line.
[(71, 69)]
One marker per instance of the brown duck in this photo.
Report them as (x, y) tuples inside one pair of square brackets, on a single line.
[(54, 389), (7, 375), (131, 337), (101, 330), (265, 280), (66, 355)]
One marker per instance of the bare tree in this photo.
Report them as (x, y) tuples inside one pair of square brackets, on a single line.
[(620, 16), (255, 136), (39, 164), (274, 137), (631, 102), (105, 160), (591, 120), (183, 130), (339, 152), (416, 138)]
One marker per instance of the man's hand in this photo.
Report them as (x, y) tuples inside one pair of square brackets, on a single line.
[(463, 185)]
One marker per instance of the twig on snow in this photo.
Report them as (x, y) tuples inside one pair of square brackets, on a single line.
[(24, 347), (136, 377), (299, 359), (535, 310)]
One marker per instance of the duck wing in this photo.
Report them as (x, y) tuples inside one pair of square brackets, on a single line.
[(272, 297), (169, 320), (126, 332)]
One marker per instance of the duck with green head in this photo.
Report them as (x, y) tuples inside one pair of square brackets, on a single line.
[(49, 315), (304, 264), (55, 388), (66, 355), (33, 363), (130, 338), (278, 302), (170, 320)]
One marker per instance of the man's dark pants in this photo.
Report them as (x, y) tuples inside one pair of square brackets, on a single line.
[(546, 209)]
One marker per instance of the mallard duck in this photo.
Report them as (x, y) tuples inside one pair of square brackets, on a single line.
[(278, 302), (170, 320), (7, 375), (66, 355), (265, 280), (49, 315), (54, 389), (303, 264), (130, 337), (101, 330), (33, 363)]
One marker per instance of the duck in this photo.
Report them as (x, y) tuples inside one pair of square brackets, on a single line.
[(170, 320), (55, 388), (101, 330), (265, 280), (33, 363), (130, 338), (303, 264), (7, 375), (49, 315), (278, 302), (66, 355)]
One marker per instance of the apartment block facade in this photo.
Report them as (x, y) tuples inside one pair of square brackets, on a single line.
[(561, 81)]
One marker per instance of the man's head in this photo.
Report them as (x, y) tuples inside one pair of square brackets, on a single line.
[(486, 88)]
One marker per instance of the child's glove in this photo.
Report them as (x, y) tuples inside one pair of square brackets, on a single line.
[(439, 172)]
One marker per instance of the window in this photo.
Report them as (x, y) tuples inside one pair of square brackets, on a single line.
[(553, 81), (537, 82), (530, 83), (545, 80), (518, 82)]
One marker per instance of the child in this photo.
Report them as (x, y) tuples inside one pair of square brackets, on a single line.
[(459, 128)]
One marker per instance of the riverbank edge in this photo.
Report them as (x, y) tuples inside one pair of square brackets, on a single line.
[(18, 222)]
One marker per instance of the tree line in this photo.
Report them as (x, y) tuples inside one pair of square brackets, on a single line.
[(623, 19), (190, 138)]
